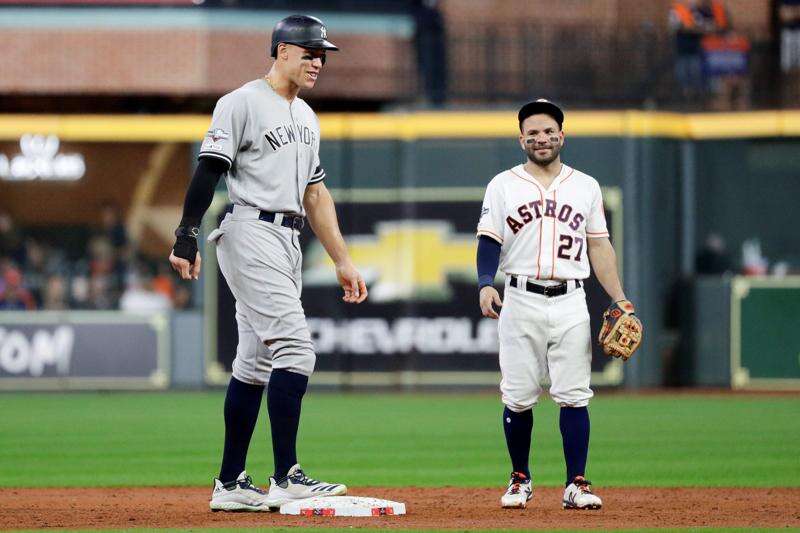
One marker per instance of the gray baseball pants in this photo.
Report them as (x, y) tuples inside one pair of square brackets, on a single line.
[(262, 262)]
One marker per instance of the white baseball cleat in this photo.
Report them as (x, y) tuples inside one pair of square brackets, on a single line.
[(297, 486), (239, 495), (518, 493), (578, 495)]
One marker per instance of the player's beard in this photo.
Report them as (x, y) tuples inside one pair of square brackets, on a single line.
[(530, 150)]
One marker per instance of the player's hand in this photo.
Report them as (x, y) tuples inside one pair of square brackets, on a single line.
[(183, 267), (355, 290), (489, 297)]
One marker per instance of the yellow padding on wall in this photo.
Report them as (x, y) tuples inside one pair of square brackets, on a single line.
[(422, 125)]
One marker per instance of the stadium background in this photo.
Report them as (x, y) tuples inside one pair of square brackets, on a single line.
[(103, 105)]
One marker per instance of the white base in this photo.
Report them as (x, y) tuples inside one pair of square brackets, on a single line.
[(343, 506)]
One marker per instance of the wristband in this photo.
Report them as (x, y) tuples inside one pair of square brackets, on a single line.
[(187, 231), (185, 248)]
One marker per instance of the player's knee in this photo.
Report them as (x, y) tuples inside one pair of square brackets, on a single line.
[(250, 375), (573, 405), (519, 403), (297, 357), (519, 407), (573, 398), (519, 396)]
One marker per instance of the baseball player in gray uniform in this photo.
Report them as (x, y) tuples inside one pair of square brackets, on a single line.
[(265, 141)]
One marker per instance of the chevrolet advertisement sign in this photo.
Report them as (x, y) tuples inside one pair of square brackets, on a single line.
[(422, 314)]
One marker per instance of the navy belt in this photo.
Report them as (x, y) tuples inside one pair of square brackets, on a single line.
[(546, 290), (289, 221)]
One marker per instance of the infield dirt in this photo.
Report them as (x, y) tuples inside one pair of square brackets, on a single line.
[(428, 508)]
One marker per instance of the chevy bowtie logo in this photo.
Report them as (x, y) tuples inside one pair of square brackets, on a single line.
[(404, 260)]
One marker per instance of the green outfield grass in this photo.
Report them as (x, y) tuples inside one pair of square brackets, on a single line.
[(106, 439)]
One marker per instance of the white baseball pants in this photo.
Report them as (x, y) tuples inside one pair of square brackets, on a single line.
[(543, 338)]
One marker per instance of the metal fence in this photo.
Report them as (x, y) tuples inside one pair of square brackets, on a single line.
[(587, 66)]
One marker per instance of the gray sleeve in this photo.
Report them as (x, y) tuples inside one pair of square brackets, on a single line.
[(317, 173), (227, 126)]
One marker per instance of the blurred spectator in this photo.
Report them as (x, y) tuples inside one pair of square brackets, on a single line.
[(98, 279), (754, 263), (79, 292), (11, 243), (55, 293), (36, 269), (713, 258), (710, 60), (114, 229), (13, 295), (101, 256), (183, 296), (141, 297), (690, 21), (117, 236), (105, 281), (101, 296), (164, 282), (789, 18)]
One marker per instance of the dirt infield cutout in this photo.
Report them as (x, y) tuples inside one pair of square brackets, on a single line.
[(428, 508)]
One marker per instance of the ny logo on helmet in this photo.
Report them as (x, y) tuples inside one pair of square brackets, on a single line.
[(323, 32)]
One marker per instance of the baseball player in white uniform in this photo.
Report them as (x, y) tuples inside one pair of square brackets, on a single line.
[(265, 140), (542, 223)]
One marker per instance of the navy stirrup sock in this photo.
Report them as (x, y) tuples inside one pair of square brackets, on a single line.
[(518, 427), (284, 398), (242, 403), (574, 423)]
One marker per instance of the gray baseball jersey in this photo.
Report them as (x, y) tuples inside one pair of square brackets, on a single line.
[(271, 145)]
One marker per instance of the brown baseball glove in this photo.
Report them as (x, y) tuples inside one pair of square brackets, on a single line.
[(622, 330)]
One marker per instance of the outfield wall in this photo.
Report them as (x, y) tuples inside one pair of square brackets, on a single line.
[(737, 332), (674, 179)]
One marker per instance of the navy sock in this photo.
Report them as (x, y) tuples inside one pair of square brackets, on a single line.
[(574, 422), (284, 398), (242, 403), (518, 427)]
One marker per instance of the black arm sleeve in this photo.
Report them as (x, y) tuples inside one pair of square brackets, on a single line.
[(201, 189), (488, 260)]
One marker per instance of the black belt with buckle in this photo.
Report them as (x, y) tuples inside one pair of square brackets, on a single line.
[(546, 290), (289, 221)]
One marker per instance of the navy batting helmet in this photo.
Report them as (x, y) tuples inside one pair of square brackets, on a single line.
[(301, 30)]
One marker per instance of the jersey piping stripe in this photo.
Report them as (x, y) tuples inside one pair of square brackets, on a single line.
[(553, 268), (568, 176), (541, 221), (217, 155), (520, 176), (491, 235), (541, 231)]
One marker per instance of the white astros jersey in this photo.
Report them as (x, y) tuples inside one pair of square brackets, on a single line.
[(543, 231), (272, 147)]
